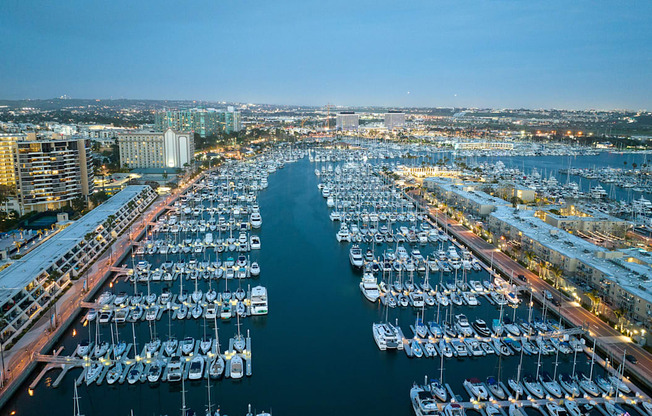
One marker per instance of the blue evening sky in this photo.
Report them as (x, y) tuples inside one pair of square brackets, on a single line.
[(499, 53)]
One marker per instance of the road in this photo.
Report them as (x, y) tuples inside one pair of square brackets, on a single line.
[(20, 357), (608, 339)]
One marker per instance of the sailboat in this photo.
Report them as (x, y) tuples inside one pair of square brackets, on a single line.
[(437, 385), (236, 366), (585, 382), (216, 369), (76, 410)]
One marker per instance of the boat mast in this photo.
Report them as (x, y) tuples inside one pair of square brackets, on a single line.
[(133, 331), (556, 364), (208, 389), (518, 371), (76, 411), (538, 363), (183, 397), (574, 360), (592, 360), (441, 369)]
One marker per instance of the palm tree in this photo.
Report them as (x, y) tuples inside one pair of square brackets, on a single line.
[(543, 269), (529, 256), (595, 299), (557, 272), (620, 313)]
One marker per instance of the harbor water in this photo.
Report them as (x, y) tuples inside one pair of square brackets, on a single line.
[(313, 353)]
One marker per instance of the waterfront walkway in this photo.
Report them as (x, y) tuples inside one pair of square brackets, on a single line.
[(608, 339), (20, 360)]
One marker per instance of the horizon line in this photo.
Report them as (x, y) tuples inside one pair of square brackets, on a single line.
[(324, 105)]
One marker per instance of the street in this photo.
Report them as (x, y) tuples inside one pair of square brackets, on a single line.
[(608, 338), (20, 356)]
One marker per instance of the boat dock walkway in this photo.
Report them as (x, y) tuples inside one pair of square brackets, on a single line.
[(67, 363), (540, 403)]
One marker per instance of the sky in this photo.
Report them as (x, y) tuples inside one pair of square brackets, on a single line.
[(465, 53)]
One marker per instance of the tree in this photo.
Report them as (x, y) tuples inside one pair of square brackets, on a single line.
[(557, 272), (543, 269), (78, 204), (98, 197), (620, 313), (634, 165), (53, 276), (109, 222), (595, 300), (529, 256)]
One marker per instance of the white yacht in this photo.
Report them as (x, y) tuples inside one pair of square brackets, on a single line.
[(174, 369), (387, 336), (554, 409), (343, 234), (423, 402), (533, 387), (369, 287), (462, 325), (236, 367), (476, 389), (259, 301), (454, 409), (355, 256), (196, 370), (550, 384), (256, 220)]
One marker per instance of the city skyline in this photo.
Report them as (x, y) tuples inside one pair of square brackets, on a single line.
[(499, 54)]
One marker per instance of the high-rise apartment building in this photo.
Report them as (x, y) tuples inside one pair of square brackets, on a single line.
[(347, 120), (230, 120), (7, 171), (394, 120), (147, 149), (198, 120), (52, 172)]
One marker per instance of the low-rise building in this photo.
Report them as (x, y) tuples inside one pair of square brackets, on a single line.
[(29, 285), (483, 145), (622, 278), (584, 220), (463, 196), (524, 194), (624, 284)]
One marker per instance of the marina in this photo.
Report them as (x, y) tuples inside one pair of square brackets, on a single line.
[(398, 280)]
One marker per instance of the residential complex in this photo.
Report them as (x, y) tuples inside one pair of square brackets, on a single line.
[(622, 278), (52, 172), (7, 171), (484, 145), (347, 120), (147, 149), (204, 122), (30, 284)]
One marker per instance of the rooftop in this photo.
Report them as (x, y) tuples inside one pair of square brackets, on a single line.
[(635, 277), (23, 271), (467, 191)]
